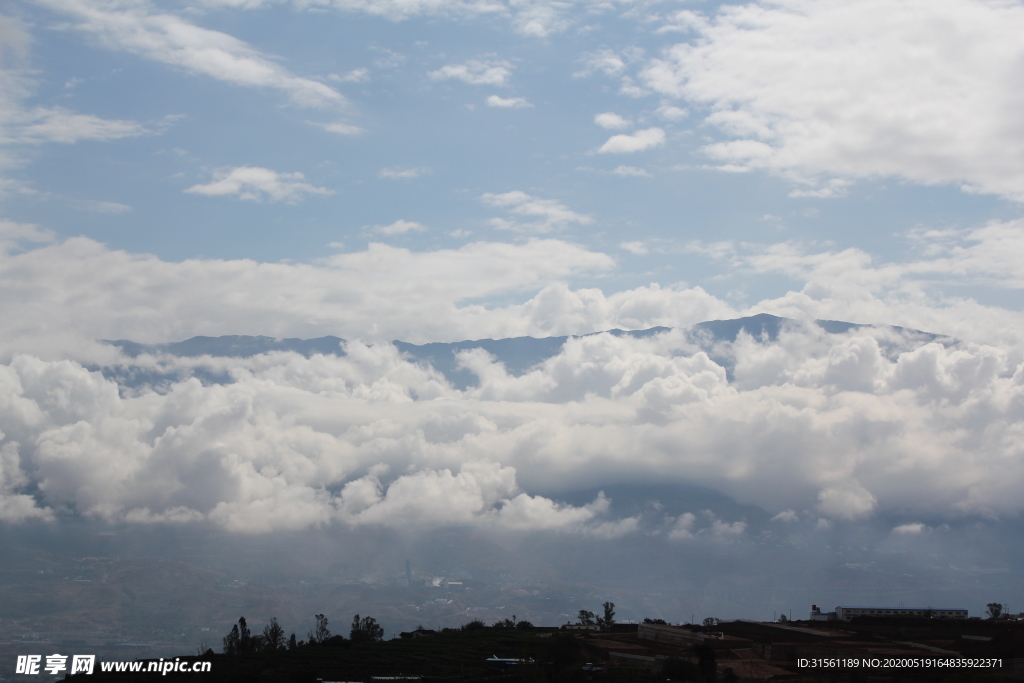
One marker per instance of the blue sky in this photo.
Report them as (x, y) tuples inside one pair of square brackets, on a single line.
[(385, 115)]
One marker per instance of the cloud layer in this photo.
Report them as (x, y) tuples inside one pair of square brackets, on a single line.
[(927, 91), (837, 426)]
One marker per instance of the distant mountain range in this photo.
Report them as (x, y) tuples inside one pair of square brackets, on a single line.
[(518, 354)]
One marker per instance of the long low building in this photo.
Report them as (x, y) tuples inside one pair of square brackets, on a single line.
[(848, 613)]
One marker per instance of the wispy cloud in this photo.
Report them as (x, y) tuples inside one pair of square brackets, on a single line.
[(631, 172), (549, 214), (475, 72), (257, 184), (60, 125), (142, 29), (401, 172), (342, 128)]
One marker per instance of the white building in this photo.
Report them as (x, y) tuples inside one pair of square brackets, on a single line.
[(818, 615), (848, 613)]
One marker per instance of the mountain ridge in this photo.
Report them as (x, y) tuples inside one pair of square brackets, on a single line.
[(518, 354)]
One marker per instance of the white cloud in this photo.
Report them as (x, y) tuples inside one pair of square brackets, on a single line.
[(22, 125), (61, 125), (549, 214), (849, 500), (97, 206), (821, 90), (637, 142), (379, 293), (788, 516), (508, 102), (671, 112), (401, 173), (354, 76), (538, 18), (12, 233), (636, 248), (140, 28), (608, 62), (399, 227), (611, 121), (683, 527), (631, 172), (476, 72), (342, 128), (870, 423), (257, 184), (909, 529)]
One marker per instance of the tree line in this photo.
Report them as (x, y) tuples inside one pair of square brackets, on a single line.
[(241, 641)]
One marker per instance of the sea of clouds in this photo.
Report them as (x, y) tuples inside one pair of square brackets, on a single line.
[(813, 426)]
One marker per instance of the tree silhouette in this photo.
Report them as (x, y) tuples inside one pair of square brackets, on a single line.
[(231, 641), (365, 629), (586, 617), (244, 637), (506, 623), (609, 615), (321, 633), (995, 610), (240, 640), (273, 635)]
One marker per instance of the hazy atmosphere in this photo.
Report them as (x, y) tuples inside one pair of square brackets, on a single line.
[(343, 191)]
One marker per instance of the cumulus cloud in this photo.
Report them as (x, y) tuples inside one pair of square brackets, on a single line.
[(549, 214), (609, 62), (12, 233), (612, 121), (637, 142), (866, 424), (826, 91), (141, 29), (671, 112), (371, 438), (475, 72), (257, 184), (508, 102)]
